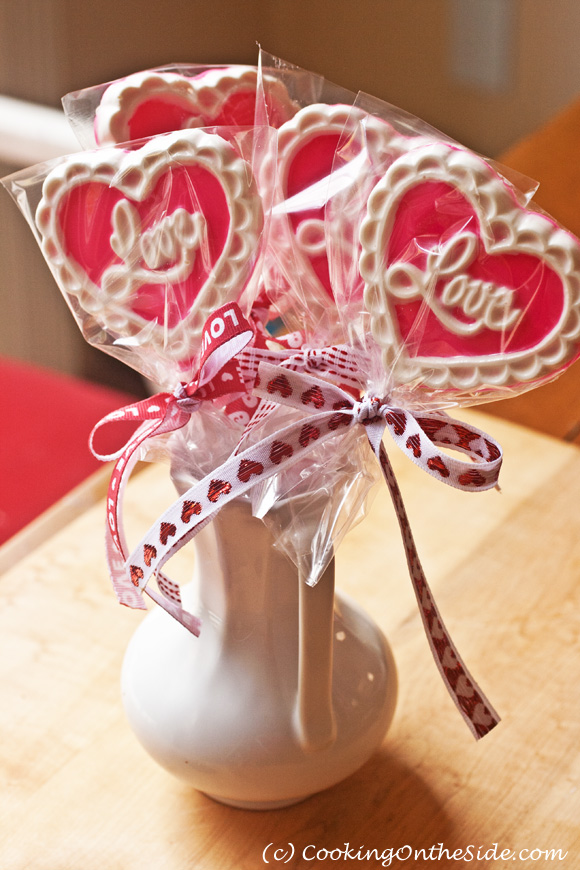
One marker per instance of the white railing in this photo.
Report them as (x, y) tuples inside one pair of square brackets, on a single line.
[(30, 133)]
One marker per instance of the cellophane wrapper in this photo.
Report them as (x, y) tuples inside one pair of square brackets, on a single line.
[(310, 507), (430, 259), (145, 240), (356, 224), (444, 270), (179, 96)]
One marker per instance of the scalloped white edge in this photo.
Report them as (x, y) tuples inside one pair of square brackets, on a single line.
[(501, 217), (122, 98), (202, 94), (134, 173), (320, 119), (215, 85)]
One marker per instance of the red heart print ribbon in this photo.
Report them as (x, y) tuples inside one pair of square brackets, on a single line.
[(225, 334), (331, 411)]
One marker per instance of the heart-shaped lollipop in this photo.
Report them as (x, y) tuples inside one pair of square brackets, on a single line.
[(466, 289), (149, 242), (152, 102), (310, 172)]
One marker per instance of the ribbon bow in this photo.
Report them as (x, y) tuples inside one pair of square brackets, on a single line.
[(331, 411)]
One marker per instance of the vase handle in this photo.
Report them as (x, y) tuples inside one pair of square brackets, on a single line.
[(314, 719)]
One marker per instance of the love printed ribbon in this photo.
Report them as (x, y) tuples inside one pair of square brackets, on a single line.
[(333, 411), (225, 334)]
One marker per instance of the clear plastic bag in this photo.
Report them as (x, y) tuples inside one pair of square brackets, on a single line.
[(461, 293), (146, 241), (296, 280), (428, 263), (352, 221), (311, 506), (177, 97)]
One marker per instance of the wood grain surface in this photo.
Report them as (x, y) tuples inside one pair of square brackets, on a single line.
[(78, 792)]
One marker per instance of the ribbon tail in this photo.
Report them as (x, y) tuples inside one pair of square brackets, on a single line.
[(476, 710), (170, 598), (189, 621), (115, 542), (125, 592), (232, 479), (116, 553)]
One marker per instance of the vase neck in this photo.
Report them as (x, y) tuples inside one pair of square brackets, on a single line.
[(251, 595), (241, 575)]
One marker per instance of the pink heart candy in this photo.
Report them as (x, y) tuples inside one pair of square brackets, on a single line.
[(466, 290), (308, 179), (149, 242), (152, 102)]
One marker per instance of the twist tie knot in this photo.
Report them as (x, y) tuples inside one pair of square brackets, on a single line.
[(186, 403), (369, 409)]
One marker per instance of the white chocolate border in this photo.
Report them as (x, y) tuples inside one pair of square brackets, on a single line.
[(202, 95), (122, 98), (214, 86), (134, 173), (319, 119), (505, 227)]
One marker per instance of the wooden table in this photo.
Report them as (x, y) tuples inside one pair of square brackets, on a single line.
[(79, 793)]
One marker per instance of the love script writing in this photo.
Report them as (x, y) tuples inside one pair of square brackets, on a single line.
[(484, 303), (161, 254)]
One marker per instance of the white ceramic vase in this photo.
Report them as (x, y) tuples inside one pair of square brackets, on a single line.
[(288, 689)]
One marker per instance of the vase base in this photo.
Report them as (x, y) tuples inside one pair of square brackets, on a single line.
[(256, 805)]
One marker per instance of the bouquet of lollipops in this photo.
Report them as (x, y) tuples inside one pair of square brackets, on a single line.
[(299, 269)]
